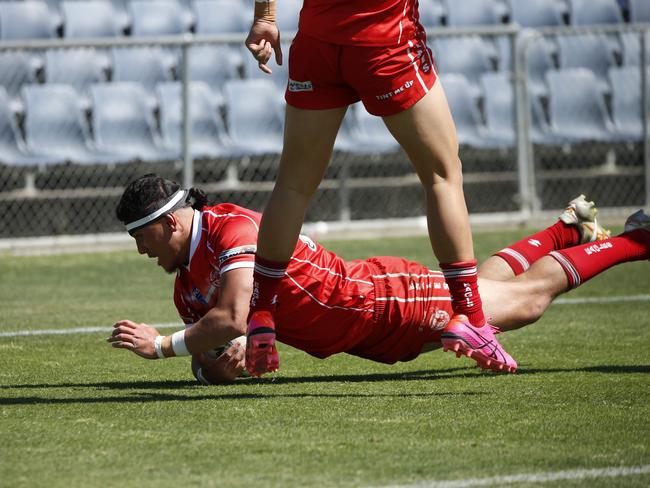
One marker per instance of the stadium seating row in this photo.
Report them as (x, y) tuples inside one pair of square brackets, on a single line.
[(121, 125), (101, 18)]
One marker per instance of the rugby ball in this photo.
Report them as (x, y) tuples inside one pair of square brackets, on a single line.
[(218, 351)]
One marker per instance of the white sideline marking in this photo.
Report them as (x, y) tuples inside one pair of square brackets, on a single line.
[(77, 330), (91, 330), (573, 475)]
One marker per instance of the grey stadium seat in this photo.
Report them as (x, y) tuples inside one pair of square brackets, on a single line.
[(221, 16), (17, 68), (499, 109), (465, 55), (540, 61), (55, 126), (591, 51), (372, 135), (209, 138), (124, 124), (474, 12), (432, 13), (639, 11), (213, 65), (627, 102), (157, 18), (631, 42), (30, 19), (79, 68), (254, 116), (12, 147), (464, 109), (577, 107), (90, 18), (536, 13), (145, 65), (591, 12)]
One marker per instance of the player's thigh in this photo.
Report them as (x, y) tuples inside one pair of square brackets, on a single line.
[(309, 137), (427, 133)]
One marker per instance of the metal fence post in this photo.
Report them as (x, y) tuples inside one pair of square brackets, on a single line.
[(646, 114), (525, 158), (186, 143)]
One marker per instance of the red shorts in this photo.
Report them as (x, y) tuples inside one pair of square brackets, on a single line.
[(386, 310), (388, 80)]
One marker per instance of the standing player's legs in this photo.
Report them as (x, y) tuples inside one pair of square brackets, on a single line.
[(308, 143)]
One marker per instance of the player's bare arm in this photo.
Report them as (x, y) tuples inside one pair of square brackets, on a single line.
[(264, 37), (224, 322)]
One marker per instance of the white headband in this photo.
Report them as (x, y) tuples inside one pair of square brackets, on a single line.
[(176, 197)]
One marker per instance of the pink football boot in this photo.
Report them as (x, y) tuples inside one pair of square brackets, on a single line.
[(261, 354), (478, 343)]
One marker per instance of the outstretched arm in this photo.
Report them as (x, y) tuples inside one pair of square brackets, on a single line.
[(224, 322)]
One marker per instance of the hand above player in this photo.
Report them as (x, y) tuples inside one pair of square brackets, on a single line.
[(138, 338), (264, 39)]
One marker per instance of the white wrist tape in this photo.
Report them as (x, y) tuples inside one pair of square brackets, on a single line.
[(157, 344), (178, 344)]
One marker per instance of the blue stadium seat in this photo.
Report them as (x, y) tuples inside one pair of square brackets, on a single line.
[(591, 51), (55, 126), (124, 124), (29, 19), (254, 130), (577, 107), (468, 56), (12, 147), (536, 13), (89, 18), (626, 102), (145, 65), (631, 42), (222, 16), (79, 68), (157, 18), (209, 138), (280, 74), (432, 13), (639, 11), (499, 95), (17, 68), (56, 19), (474, 12), (591, 12), (122, 17), (464, 108)]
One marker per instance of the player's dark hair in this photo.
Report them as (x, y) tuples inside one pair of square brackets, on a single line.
[(149, 193)]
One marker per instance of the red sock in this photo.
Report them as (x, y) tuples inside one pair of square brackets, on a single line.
[(267, 275), (462, 280), (521, 255), (581, 263)]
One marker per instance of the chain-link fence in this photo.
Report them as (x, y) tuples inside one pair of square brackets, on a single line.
[(537, 122)]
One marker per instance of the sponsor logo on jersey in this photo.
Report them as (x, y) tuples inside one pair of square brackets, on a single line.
[(236, 251), (534, 242), (439, 319), (300, 86), (196, 295), (397, 91), (310, 244), (596, 248)]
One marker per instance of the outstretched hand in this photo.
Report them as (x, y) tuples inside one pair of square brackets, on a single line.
[(137, 338), (263, 40)]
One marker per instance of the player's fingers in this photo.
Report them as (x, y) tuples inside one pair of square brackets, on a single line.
[(124, 338), (278, 54), (125, 323), (123, 345), (265, 68)]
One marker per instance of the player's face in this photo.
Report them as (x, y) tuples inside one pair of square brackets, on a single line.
[(155, 240)]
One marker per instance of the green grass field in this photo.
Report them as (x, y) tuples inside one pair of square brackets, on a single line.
[(74, 412)]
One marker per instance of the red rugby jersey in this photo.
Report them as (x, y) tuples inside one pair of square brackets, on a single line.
[(360, 22), (320, 300)]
